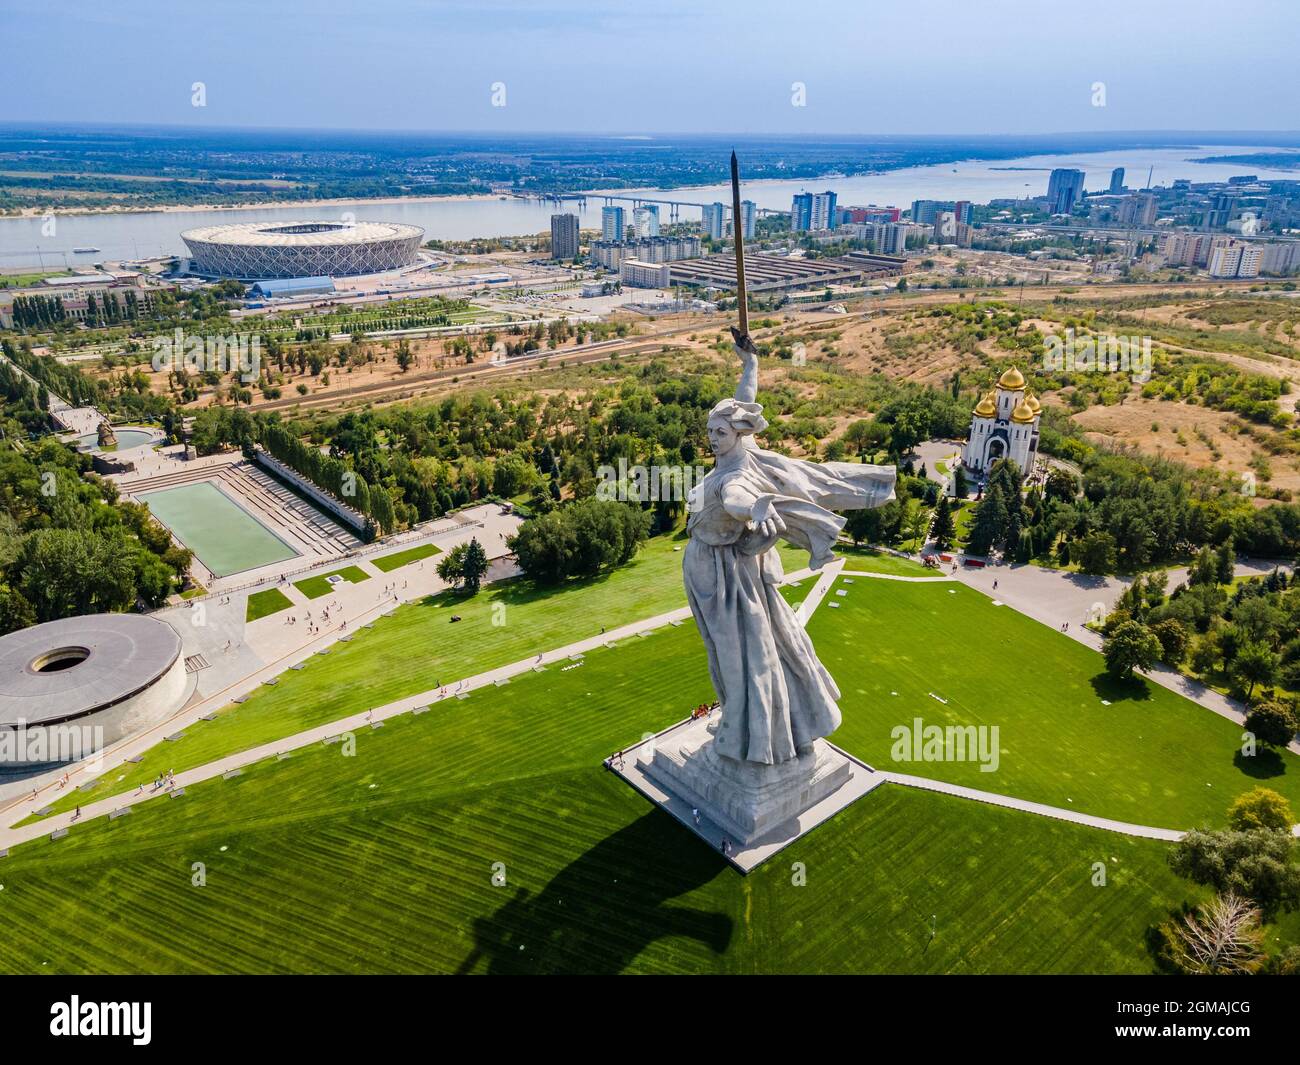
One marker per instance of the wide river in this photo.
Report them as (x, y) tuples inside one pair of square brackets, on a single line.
[(137, 235)]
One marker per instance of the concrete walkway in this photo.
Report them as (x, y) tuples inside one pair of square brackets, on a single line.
[(1059, 597), (241, 656), (11, 836), (814, 598), (1024, 805), (18, 811)]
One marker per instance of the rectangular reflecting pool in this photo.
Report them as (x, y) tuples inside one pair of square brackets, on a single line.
[(225, 537)]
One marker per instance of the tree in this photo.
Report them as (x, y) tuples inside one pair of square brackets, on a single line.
[(916, 521), (1261, 808), (1061, 484), (1173, 640), (451, 566), (512, 475), (15, 611), (959, 482), (1254, 664), (989, 526), (545, 547), (1203, 569), (474, 566), (1095, 553), (404, 356), (875, 525), (1225, 562), (580, 539), (1129, 646), (944, 529), (1271, 722), (64, 572), (1256, 864), (866, 437), (1222, 938)]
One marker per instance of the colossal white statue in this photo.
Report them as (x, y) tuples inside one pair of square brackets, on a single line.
[(762, 764)]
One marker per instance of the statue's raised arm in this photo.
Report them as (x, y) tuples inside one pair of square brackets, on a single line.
[(747, 389)]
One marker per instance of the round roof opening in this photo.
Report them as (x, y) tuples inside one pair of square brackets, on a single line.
[(307, 227), (60, 658)]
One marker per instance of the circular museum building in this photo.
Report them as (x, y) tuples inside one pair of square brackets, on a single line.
[(258, 251), (73, 686)]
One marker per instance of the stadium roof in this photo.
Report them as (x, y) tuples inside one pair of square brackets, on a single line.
[(302, 234)]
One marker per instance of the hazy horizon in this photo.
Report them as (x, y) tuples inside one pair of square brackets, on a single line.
[(937, 68), (1195, 136)]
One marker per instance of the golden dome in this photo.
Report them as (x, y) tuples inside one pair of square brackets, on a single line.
[(1032, 400), (1023, 414), (987, 408), (1012, 379)]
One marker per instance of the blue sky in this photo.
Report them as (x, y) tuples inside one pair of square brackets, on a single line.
[(921, 66)]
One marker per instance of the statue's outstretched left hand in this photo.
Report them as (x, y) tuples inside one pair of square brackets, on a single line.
[(767, 529)]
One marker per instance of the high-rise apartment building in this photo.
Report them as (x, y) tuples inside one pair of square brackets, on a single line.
[(801, 212), (1138, 209), (1064, 190), (613, 223), (748, 218), (564, 236), (824, 215), (713, 222), (645, 219)]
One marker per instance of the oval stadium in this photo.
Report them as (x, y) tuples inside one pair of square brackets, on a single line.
[(254, 251), (73, 686)]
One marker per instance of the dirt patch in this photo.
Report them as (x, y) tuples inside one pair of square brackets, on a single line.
[(1195, 436)]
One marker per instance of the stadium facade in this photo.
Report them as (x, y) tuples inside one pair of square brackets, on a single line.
[(255, 251)]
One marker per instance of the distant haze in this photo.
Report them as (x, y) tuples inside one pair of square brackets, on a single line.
[(922, 66)]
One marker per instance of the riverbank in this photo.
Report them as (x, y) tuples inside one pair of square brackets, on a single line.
[(258, 205)]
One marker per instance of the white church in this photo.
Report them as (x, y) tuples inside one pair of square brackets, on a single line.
[(1004, 426)]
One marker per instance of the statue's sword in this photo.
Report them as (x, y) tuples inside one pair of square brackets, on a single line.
[(738, 233)]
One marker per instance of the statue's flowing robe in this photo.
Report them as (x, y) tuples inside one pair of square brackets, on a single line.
[(776, 696)]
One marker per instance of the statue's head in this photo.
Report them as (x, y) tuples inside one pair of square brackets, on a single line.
[(730, 422)]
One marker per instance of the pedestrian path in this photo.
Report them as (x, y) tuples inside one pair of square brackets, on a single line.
[(11, 836), (1025, 806), (813, 599)]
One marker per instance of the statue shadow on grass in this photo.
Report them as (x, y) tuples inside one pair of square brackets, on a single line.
[(606, 907)]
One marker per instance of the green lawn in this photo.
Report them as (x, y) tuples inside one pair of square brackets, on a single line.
[(388, 563), (415, 648), (264, 603), (1151, 757), (315, 587), (383, 862), (870, 560)]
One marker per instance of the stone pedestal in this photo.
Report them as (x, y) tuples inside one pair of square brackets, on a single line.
[(749, 801)]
